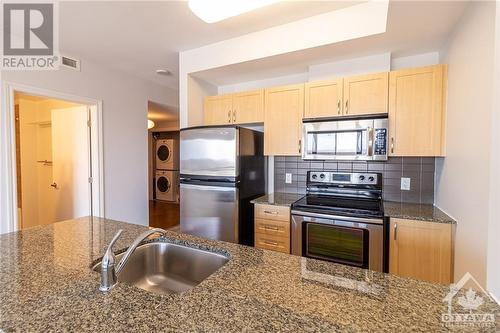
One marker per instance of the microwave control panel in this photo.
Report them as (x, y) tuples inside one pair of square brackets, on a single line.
[(380, 145)]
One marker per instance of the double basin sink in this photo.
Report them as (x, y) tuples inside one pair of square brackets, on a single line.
[(168, 268)]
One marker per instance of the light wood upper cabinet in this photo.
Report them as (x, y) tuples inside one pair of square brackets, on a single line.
[(421, 250), (366, 94), (218, 110), (283, 120), (239, 108), (417, 112), (323, 99), (248, 107)]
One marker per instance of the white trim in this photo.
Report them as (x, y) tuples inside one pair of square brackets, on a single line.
[(8, 202), (494, 298)]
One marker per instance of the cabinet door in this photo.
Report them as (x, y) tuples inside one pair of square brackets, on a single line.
[(284, 107), (366, 94), (323, 99), (248, 107), (421, 250), (218, 110), (416, 111)]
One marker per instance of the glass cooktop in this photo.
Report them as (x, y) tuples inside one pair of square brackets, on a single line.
[(328, 204)]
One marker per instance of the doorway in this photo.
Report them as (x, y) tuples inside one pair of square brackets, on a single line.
[(55, 164), (163, 154)]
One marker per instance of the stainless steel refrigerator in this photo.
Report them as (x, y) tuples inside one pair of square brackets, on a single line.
[(222, 168)]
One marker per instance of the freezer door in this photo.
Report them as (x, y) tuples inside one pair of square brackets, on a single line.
[(211, 151), (210, 212)]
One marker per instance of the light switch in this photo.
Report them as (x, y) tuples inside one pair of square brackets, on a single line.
[(288, 178), (405, 184)]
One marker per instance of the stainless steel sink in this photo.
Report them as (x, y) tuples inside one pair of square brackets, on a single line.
[(167, 268)]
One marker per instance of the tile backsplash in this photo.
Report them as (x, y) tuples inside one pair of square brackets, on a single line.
[(419, 169)]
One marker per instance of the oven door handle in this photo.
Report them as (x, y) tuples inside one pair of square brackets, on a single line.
[(339, 217)]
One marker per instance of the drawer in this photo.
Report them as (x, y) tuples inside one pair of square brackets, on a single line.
[(272, 228), (271, 212), (268, 242)]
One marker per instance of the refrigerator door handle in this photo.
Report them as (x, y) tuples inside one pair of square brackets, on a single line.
[(208, 187)]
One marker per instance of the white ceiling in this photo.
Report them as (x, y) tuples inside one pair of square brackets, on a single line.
[(413, 27), (142, 36)]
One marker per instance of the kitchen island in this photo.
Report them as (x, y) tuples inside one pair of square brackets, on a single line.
[(47, 284)]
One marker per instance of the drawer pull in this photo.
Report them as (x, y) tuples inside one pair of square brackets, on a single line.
[(270, 243), (266, 227), (270, 212)]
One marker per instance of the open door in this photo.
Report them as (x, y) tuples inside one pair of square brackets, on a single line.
[(71, 167)]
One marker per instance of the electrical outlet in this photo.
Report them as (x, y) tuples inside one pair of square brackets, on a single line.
[(288, 178), (405, 184)]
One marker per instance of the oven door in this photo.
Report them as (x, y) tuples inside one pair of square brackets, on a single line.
[(351, 241)]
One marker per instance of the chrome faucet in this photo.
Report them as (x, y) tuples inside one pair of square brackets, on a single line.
[(110, 271)]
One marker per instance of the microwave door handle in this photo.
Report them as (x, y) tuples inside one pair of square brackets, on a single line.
[(369, 140)]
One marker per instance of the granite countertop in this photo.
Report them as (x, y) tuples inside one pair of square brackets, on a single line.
[(421, 212), (278, 199), (47, 285)]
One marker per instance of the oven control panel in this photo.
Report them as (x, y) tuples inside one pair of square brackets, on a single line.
[(344, 178)]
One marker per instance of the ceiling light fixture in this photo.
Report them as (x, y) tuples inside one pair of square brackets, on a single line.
[(151, 124), (218, 10)]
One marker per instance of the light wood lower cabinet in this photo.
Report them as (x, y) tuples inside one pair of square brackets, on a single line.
[(267, 242), (272, 227), (421, 250)]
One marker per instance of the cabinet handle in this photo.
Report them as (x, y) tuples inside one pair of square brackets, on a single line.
[(229, 116), (300, 146), (270, 243), (395, 231), (267, 227), (392, 144), (338, 106), (270, 212), (234, 116), (346, 106)]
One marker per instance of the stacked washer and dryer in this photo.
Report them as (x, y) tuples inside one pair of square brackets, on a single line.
[(167, 170)]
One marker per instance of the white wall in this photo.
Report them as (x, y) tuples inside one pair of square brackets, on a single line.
[(125, 103), (258, 84), (493, 277), (198, 90), (463, 177), (417, 60), (355, 66), (336, 26)]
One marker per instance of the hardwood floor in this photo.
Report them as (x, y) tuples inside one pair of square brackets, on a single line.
[(163, 215)]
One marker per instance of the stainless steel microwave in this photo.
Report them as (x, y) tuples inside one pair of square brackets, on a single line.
[(363, 139)]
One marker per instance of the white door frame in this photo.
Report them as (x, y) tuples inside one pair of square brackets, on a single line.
[(8, 172)]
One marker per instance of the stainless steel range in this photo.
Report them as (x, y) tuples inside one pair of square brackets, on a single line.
[(341, 219)]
